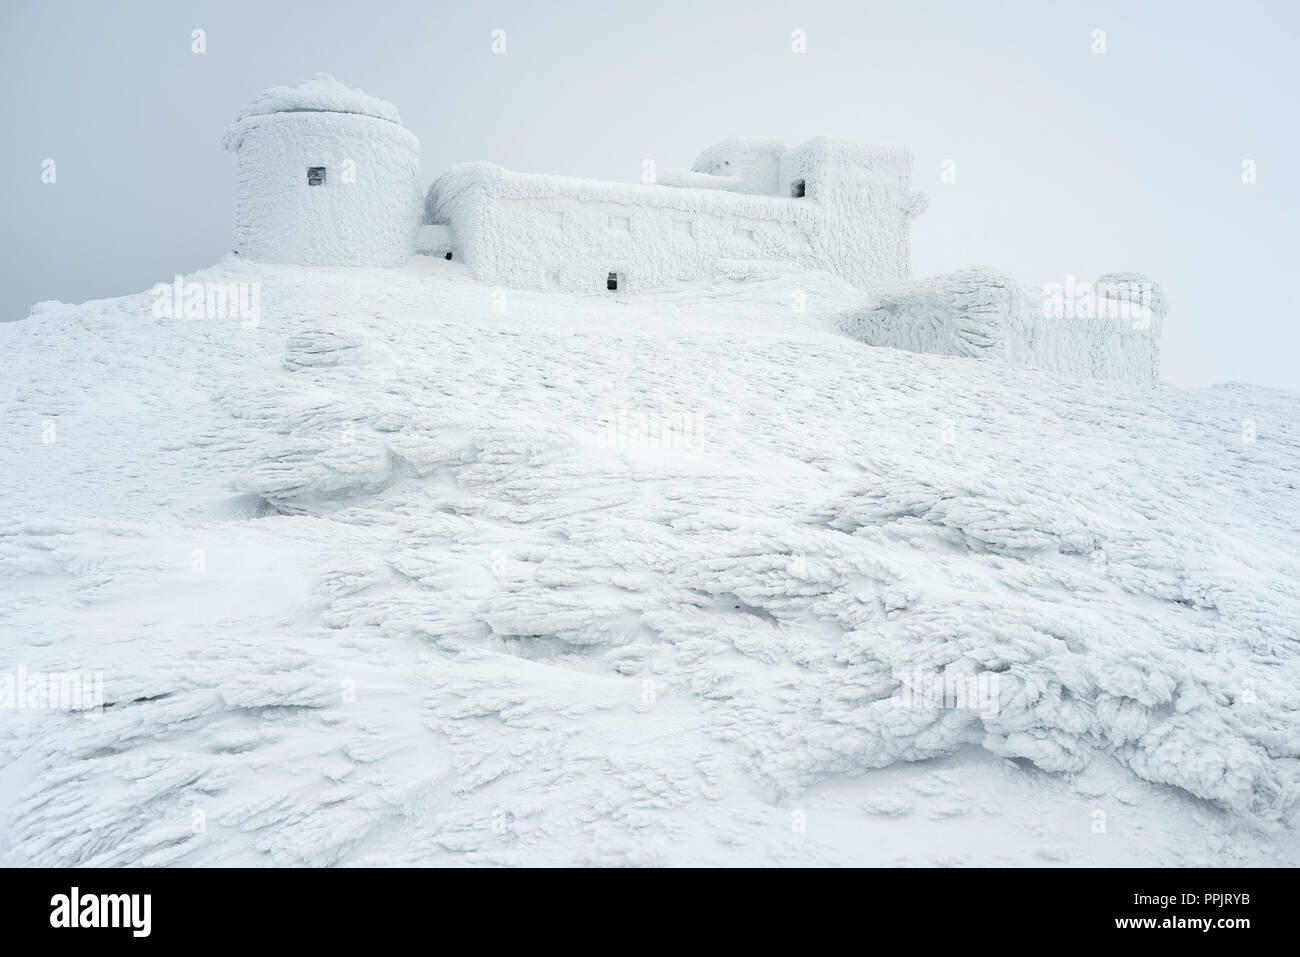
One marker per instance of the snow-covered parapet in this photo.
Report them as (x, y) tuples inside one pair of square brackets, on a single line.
[(327, 176), (848, 211), (1109, 329)]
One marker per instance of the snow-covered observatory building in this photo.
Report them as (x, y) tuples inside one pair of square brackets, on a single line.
[(327, 177), (842, 207)]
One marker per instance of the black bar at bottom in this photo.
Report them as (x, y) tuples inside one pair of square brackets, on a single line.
[(336, 907)]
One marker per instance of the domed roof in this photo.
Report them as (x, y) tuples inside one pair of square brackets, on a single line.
[(319, 93)]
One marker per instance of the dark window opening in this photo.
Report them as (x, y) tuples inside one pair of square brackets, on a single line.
[(316, 176), (796, 188), (612, 282), (448, 256)]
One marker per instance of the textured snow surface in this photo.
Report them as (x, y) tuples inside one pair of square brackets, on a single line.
[(439, 619), (532, 231), (365, 213), (367, 209), (319, 92), (985, 314)]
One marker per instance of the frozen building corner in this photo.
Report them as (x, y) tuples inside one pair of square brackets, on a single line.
[(327, 176), (867, 206)]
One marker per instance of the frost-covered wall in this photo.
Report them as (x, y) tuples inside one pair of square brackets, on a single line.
[(1109, 329), (547, 232), (866, 206), (364, 208)]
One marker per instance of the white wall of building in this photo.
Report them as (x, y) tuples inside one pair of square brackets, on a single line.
[(368, 208), (548, 232)]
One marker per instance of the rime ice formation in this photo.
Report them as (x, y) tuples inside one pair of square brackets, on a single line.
[(369, 584), (327, 176), (405, 572), (1113, 333), (839, 207)]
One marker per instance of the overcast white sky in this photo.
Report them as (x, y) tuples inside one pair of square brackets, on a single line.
[(1068, 162)]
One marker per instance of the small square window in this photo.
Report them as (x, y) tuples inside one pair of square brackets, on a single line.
[(797, 188), (316, 176)]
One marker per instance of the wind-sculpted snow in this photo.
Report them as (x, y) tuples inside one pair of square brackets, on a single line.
[(983, 313), (394, 577)]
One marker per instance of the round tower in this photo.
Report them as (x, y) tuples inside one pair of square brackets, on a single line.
[(327, 177)]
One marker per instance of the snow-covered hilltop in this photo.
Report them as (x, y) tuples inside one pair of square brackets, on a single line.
[(394, 576), (382, 565)]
